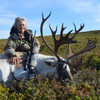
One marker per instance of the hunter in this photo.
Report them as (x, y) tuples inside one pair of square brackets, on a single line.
[(19, 40)]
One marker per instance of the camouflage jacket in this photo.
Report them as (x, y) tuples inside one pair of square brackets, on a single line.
[(14, 43)]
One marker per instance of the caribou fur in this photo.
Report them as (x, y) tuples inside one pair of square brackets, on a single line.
[(43, 63)]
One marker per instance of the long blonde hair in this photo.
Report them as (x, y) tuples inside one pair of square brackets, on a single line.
[(18, 19)]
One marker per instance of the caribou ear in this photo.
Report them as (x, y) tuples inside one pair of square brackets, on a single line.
[(50, 62)]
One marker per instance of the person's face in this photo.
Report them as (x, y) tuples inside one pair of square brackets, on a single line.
[(21, 26)]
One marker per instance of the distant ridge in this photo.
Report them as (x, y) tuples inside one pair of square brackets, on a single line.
[(86, 32)]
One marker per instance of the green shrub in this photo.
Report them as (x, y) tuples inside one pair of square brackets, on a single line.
[(94, 61), (84, 87), (16, 96), (4, 93)]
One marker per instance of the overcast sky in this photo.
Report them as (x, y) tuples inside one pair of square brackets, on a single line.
[(63, 11)]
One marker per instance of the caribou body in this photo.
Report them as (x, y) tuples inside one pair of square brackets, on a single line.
[(47, 64), (43, 63)]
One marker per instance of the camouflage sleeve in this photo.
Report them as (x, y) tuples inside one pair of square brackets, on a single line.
[(36, 46), (10, 48)]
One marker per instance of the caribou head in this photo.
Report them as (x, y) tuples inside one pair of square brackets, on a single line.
[(65, 39)]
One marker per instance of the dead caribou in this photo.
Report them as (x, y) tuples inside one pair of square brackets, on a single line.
[(47, 64)]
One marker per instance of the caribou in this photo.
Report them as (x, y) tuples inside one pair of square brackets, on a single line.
[(45, 64)]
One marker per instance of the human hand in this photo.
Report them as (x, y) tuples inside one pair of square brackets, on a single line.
[(14, 60)]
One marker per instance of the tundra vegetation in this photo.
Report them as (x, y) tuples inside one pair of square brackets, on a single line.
[(86, 84)]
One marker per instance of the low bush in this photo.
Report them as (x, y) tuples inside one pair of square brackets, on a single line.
[(86, 86), (94, 61)]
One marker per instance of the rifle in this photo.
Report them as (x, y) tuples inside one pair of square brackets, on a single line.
[(30, 53)]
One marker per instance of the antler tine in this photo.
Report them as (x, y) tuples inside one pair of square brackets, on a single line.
[(41, 29), (44, 19), (53, 32), (91, 44), (62, 29), (76, 31), (91, 41), (67, 35)]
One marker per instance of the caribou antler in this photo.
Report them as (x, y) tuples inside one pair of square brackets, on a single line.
[(91, 44), (41, 30), (65, 39)]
